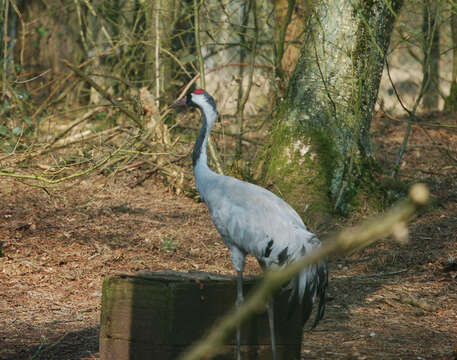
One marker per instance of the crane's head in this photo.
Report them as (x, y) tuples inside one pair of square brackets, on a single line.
[(201, 99)]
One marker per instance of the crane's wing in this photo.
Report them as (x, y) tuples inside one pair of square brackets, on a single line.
[(256, 221)]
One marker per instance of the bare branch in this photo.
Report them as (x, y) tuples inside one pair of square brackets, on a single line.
[(92, 83)]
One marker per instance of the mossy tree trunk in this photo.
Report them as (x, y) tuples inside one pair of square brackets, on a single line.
[(319, 148)]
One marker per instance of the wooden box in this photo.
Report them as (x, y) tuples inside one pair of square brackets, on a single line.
[(157, 315)]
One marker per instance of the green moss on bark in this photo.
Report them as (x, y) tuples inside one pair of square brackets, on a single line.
[(298, 168)]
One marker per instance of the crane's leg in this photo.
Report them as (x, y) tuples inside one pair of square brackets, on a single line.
[(271, 311), (239, 301), (238, 259)]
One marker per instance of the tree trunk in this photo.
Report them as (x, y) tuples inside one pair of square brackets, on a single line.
[(161, 16), (451, 100), (289, 23), (319, 146), (431, 50), (48, 33)]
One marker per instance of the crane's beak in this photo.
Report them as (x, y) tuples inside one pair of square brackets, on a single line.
[(181, 102)]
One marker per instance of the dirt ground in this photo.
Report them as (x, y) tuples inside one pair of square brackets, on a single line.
[(385, 302)]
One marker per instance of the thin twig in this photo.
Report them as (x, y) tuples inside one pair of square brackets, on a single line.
[(78, 140), (217, 68), (201, 64), (103, 93), (23, 32), (411, 116), (181, 65), (408, 300), (157, 52), (154, 170), (243, 96), (5, 47), (66, 78), (234, 135), (33, 78), (104, 31), (65, 178), (279, 45), (81, 26), (75, 123), (246, 9)]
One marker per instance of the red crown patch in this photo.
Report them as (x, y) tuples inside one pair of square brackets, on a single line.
[(198, 91)]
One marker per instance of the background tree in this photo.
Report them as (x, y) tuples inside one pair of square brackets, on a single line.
[(451, 101), (431, 51), (319, 144), (318, 153), (161, 17)]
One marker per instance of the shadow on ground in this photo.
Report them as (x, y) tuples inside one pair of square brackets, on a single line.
[(69, 346)]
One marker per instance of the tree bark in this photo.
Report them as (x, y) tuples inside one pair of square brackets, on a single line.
[(161, 16), (319, 147), (431, 50), (451, 100)]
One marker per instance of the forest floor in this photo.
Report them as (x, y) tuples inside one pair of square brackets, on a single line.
[(385, 302)]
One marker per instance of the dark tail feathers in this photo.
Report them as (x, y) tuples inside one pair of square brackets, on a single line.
[(308, 287)]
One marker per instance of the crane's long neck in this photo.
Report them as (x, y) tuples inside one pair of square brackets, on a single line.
[(199, 156)]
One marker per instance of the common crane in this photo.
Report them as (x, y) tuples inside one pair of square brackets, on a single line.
[(253, 220)]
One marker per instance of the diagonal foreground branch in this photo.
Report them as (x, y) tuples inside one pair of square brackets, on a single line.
[(391, 223)]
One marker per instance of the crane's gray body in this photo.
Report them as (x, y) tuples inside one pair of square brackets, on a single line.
[(253, 220)]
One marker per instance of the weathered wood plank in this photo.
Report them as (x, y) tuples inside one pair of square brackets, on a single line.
[(158, 315)]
